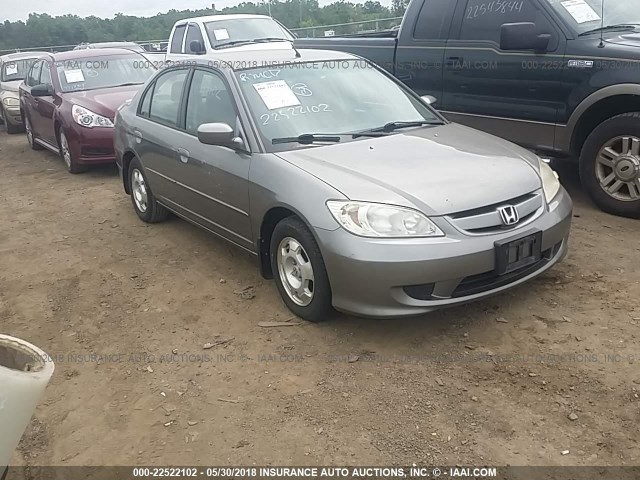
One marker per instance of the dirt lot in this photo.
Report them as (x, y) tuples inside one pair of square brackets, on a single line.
[(489, 383)]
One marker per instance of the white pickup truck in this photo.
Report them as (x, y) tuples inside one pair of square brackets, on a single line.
[(208, 35)]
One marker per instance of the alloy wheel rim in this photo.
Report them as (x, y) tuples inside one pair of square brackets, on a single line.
[(64, 146), (618, 168), (139, 188), (296, 271)]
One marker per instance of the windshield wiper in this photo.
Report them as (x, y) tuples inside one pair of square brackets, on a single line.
[(622, 26), (392, 126), (307, 139), (269, 39), (233, 43), (130, 84)]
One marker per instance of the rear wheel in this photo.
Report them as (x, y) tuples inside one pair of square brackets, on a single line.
[(144, 202), (299, 270), (610, 165), (30, 137), (70, 162)]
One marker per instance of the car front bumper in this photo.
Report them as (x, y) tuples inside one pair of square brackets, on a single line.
[(369, 276), (13, 115), (92, 146)]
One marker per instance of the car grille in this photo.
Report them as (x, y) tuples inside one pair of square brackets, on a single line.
[(487, 219), (484, 282)]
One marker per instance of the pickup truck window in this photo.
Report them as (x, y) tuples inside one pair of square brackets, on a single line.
[(340, 97), (483, 18), (584, 15), (432, 21), (193, 34), (176, 40)]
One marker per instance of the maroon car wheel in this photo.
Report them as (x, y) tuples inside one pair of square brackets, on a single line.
[(67, 156)]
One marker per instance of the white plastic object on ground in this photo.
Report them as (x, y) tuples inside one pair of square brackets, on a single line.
[(25, 371)]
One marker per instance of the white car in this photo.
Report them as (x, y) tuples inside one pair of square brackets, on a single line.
[(208, 35)]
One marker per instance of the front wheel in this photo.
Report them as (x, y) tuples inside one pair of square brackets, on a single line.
[(299, 270), (610, 165), (70, 162)]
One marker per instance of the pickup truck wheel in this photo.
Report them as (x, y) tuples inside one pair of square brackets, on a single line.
[(610, 165), (299, 270), (144, 203)]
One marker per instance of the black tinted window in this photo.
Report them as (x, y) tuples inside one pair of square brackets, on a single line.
[(193, 34), (34, 74), (176, 41), (209, 102), (434, 19), (167, 94), (483, 19)]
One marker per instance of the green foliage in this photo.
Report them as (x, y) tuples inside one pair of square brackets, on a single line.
[(44, 30)]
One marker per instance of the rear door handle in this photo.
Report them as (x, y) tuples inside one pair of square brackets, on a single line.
[(183, 154)]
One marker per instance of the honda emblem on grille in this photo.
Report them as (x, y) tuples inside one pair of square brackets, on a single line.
[(509, 214)]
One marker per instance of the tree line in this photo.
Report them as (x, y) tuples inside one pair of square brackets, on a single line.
[(45, 30)]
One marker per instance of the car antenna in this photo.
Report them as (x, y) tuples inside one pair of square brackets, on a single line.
[(295, 50), (602, 26)]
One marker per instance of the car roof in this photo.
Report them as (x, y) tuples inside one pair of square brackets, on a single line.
[(216, 18), (22, 56), (243, 59), (90, 53)]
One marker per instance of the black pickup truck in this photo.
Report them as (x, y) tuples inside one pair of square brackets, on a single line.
[(555, 76)]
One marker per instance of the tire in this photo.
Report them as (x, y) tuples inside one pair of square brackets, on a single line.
[(70, 162), (142, 198), (292, 247), (30, 135), (610, 165)]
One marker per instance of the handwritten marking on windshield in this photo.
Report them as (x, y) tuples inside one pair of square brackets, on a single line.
[(263, 75), (287, 113)]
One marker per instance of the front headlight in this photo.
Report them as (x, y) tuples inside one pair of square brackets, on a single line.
[(380, 220), (88, 119), (550, 182), (11, 102)]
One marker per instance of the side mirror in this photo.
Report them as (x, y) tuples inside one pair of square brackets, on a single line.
[(219, 134), (41, 90), (523, 36), (196, 47), (429, 99)]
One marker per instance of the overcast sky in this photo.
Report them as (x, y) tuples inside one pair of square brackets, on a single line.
[(19, 10)]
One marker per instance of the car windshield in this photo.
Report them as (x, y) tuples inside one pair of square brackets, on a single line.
[(17, 69), (326, 98), (103, 72), (585, 15), (231, 32)]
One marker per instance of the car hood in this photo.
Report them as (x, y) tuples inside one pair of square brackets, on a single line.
[(438, 170), (630, 39), (104, 101), (13, 86)]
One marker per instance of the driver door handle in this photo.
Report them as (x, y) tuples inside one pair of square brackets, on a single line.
[(183, 154)]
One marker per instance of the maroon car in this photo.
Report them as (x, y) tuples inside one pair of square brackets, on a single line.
[(68, 102)]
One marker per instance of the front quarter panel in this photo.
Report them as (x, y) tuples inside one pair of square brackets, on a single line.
[(274, 183)]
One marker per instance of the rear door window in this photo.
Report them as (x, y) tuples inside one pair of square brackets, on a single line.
[(176, 40), (167, 97), (434, 20)]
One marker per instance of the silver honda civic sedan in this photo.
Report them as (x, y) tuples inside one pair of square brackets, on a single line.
[(348, 188)]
